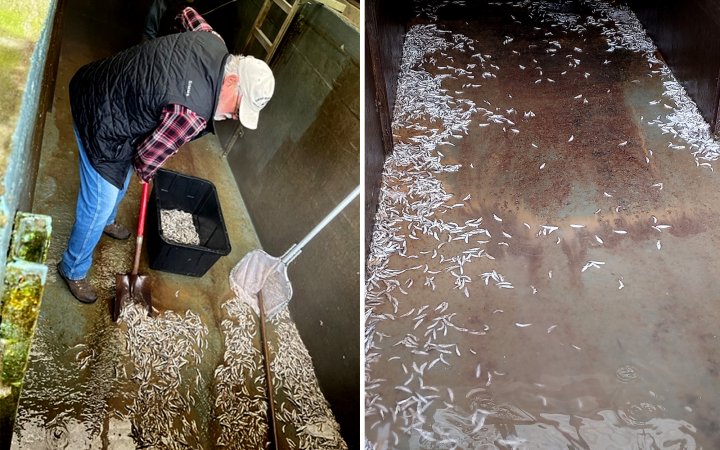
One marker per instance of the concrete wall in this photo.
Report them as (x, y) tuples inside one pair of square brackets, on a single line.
[(28, 66), (300, 162), (385, 28), (29, 62), (374, 152)]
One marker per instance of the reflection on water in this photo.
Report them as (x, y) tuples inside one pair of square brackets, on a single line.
[(540, 272), (606, 430)]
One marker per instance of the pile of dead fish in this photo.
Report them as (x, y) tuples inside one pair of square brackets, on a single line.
[(178, 226), (303, 416), (166, 351), (413, 199), (305, 409), (240, 394), (411, 192), (427, 9), (624, 30)]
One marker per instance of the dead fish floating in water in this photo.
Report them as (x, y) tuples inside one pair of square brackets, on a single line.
[(592, 264)]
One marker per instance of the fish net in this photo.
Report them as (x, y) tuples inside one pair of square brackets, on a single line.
[(256, 272)]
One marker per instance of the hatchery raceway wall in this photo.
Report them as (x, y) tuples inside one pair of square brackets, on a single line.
[(302, 160), (686, 34), (385, 27)]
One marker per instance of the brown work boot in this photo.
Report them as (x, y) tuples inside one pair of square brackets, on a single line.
[(117, 231), (81, 289)]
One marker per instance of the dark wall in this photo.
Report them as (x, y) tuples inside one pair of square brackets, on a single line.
[(686, 33), (303, 159), (374, 150), (385, 27), (234, 22)]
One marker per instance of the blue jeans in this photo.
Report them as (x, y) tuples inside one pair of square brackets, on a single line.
[(97, 206)]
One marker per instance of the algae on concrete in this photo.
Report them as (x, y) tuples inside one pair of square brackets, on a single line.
[(31, 238), (23, 19), (24, 284), (25, 30), (25, 277)]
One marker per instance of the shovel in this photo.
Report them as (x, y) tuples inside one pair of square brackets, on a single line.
[(133, 286)]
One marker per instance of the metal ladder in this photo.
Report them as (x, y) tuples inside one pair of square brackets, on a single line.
[(290, 9), (271, 46)]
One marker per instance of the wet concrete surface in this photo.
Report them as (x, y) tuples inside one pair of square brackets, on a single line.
[(157, 382), (506, 337)]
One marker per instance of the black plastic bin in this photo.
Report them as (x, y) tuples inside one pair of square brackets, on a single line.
[(173, 190)]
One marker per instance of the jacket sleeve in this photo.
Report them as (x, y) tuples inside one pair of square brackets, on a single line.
[(190, 20)]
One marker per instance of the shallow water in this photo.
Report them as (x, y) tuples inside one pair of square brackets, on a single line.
[(143, 384), (541, 280)]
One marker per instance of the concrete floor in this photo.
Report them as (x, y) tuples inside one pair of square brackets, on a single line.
[(488, 329), (89, 382)]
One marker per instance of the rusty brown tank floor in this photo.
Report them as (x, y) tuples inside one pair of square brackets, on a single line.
[(545, 274)]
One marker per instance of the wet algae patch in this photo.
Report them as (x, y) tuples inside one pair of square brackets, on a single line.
[(24, 285), (23, 293), (31, 237)]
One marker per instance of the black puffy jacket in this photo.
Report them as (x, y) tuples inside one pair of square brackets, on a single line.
[(116, 102)]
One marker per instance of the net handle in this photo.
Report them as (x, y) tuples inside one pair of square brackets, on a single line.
[(296, 249)]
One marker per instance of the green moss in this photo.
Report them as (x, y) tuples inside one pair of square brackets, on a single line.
[(23, 19), (21, 305), (12, 24), (13, 66), (13, 62), (33, 247), (23, 292), (14, 361), (31, 237)]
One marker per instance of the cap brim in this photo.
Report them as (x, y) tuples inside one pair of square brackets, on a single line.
[(248, 117)]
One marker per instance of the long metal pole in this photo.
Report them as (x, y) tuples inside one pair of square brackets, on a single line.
[(268, 375), (296, 249)]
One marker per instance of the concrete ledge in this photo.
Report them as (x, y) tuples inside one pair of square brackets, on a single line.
[(25, 33)]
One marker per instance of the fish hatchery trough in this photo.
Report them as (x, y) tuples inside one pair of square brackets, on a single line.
[(542, 268), (192, 375)]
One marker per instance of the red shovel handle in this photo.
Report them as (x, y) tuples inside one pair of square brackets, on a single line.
[(143, 208)]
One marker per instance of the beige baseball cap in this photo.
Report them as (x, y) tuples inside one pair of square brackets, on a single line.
[(257, 84)]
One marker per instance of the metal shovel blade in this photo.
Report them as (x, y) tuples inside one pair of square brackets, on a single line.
[(134, 288)]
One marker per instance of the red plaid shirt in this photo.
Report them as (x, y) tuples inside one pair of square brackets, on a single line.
[(178, 124)]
